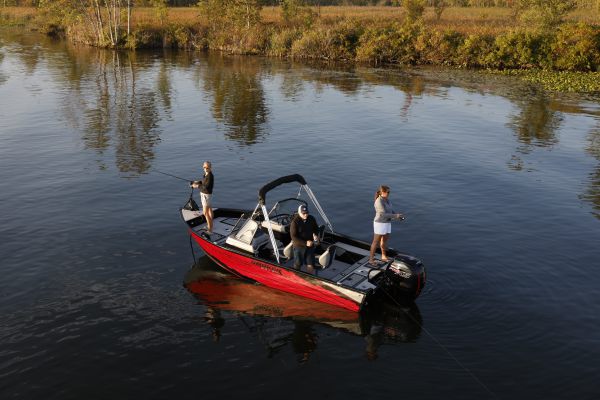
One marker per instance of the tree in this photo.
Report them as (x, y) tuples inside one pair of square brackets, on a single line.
[(160, 9), (236, 13), (414, 9), (438, 8), (295, 12), (98, 19), (544, 14)]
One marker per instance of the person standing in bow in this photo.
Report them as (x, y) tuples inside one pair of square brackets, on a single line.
[(206, 189), (382, 226)]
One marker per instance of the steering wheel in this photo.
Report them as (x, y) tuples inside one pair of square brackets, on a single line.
[(282, 219)]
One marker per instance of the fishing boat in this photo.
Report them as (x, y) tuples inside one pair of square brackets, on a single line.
[(256, 244)]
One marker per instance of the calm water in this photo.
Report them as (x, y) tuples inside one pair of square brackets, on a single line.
[(500, 183)]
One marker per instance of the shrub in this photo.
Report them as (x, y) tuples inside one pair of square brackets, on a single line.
[(414, 9), (576, 48), (439, 48), (389, 44), (337, 42), (144, 36), (476, 51), (296, 13), (544, 14), (178, 36), (280, 43), (522, 49)]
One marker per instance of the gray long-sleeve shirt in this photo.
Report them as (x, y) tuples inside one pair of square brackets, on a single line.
[(383, 210)]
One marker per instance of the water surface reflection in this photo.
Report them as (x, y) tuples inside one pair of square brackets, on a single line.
[(282, 320), (592, 194), (234, 87), (500, 182)]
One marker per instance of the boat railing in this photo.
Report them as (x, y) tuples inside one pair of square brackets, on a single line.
[(238, 224)]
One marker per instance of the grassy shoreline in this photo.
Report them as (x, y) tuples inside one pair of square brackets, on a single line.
[(566, 59)]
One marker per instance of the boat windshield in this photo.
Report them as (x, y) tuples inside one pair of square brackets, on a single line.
[(287, 206)]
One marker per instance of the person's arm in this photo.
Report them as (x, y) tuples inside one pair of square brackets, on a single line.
[(396, 214), (381, 211), (294, 232), (315, 229)]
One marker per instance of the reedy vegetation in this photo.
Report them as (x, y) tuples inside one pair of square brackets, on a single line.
[(539, 37)]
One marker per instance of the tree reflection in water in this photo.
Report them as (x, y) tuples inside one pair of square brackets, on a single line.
[(237, 95), (413, 86), (113, 100), (352, 81), (536, 123), (536, 126), (3, 77), (592, 193), (118, 99), (284, 321)]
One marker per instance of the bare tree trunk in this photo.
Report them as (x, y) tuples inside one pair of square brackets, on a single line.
[(128, 17), (109, 21), (116, 17), (99, 22)]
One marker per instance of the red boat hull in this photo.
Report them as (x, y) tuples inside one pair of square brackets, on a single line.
[(274, 276)]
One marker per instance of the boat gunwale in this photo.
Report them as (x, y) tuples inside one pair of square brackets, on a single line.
[(228, 247)]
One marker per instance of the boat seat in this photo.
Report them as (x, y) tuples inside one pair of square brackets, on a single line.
[(276, 226), (248, 238), (288, 251), (327, 257)]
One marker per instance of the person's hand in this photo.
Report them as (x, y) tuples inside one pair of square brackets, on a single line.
[(309, 243), (399, 216)]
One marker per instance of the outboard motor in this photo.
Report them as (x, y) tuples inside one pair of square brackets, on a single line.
[(403, 279)]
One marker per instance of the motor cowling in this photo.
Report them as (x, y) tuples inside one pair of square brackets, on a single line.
[(404, 278)]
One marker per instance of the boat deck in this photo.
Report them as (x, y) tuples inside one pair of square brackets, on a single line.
[(349, 268)]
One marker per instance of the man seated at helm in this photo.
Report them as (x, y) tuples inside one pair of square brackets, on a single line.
[(303, 230)]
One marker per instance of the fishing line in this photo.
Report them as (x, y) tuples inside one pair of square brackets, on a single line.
[(424, 207), (467, 370), (192, 247)]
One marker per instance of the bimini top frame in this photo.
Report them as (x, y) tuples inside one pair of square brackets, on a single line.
[(262, 197)]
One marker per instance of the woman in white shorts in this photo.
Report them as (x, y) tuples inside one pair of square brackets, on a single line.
[(382, 225)]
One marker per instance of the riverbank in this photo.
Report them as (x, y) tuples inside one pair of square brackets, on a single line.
[(486, 38)]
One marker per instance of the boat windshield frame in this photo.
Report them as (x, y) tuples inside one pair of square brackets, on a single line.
[(291, 212), (262, 193)]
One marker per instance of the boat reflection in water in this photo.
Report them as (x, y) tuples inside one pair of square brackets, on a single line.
[(282, 319)]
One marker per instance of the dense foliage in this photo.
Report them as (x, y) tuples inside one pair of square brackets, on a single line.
[(545, 42)]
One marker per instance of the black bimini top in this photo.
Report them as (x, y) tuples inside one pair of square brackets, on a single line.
[(262, 192)]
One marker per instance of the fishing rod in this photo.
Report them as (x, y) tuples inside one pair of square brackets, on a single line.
[(171, 175)]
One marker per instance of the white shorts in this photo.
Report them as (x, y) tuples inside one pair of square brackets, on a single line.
[(382, 228), (205, 199)]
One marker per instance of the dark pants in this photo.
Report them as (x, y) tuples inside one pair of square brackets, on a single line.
[(304, 255)]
